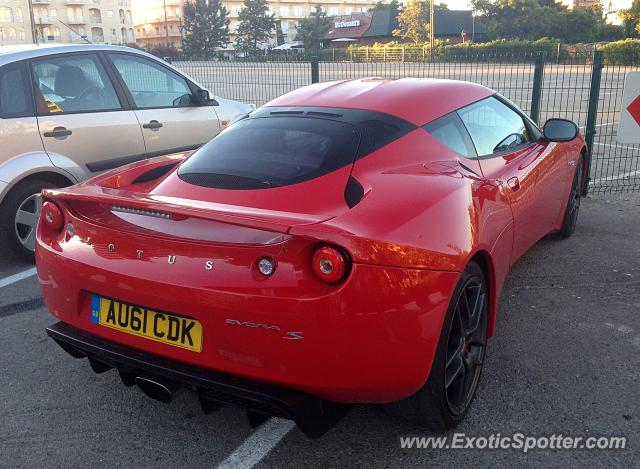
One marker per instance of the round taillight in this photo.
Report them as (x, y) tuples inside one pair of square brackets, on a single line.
[(266, 266), (52, 216), (329, 264)]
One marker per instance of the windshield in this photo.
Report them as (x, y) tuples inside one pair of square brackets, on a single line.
[(260, 153)]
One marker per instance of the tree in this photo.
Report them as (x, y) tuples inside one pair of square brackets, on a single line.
[(311, 30), (206, 28), (631, 19), (255, 26), (535, 19), (393, 5), (413, 21)]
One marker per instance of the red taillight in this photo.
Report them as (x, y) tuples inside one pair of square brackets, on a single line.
[(329, 264), (52, 216)]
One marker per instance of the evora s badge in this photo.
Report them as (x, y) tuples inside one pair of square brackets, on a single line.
[(266, 327)]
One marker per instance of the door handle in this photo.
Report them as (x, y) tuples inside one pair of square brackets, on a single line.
[(58, 132), (153, 125), (513, 183)]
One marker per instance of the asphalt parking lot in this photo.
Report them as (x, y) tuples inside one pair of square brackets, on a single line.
[(564, 360)]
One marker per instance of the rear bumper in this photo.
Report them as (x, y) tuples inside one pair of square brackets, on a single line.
[(371, 339), (312, 414)]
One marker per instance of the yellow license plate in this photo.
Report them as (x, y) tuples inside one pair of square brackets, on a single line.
[(170, 329)]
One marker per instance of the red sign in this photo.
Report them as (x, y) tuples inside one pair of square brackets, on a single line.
[(634, 109)]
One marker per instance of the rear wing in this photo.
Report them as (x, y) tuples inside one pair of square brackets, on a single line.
[(177, 207)]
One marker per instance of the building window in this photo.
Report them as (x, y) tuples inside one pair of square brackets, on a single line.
[(75, 14), (18, 13), (97, 35), (284, 10), (56, 33), (333, 11), (6, 16), (12, 35), (298, 11), (22, 35), (53, 12), (96, 16), (109, 13)]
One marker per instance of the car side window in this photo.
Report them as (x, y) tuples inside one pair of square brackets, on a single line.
[(74, 83), (15, 92), (151, 85), (494, 127), (450, 131)]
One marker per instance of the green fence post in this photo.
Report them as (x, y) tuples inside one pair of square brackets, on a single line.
[(592, 110), (536, 93), (315, 70)]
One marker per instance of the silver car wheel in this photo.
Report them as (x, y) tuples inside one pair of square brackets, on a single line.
[(26, 220)]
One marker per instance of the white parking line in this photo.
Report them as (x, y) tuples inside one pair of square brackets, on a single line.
[(17, 277), (625, 147), (258, 445), (600, 125), (629, 175)]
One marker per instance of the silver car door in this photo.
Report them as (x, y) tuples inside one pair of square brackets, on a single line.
[(81, 116), (171, 118)]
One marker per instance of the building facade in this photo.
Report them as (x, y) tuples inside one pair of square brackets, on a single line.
[(378, 26), (594, 5), (66, 21), (158, 22), (15, 27), (152, 29)]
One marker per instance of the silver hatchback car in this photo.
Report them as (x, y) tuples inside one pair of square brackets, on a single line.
[(69, 112)]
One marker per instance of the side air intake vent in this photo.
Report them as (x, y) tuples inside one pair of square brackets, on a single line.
[(154, 173), (353, 193)]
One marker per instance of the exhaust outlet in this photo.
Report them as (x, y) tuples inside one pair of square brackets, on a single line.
[(157, 388)]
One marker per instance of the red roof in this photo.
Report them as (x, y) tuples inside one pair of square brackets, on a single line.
[(417, 100), (348, 26)]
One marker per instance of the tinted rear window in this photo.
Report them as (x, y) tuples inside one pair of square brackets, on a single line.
[(260, 153), (15, 95)]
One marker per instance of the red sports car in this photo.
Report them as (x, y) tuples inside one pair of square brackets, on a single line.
[(345, 243)]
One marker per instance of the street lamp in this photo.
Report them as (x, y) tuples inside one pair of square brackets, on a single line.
[(166, 22), (34, 32), (431, 26)]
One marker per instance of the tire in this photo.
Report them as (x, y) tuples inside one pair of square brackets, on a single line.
[(18, 234), (438, 406), (573, 205)]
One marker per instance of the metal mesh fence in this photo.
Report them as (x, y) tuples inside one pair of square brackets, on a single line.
[(510, 75), (561, 88), (249, 82), (615, 167)]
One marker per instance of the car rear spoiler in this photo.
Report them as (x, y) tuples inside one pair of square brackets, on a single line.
[(138, 202)]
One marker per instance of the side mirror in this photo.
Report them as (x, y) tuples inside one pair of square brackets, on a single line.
[(205, 98), (560, 130)]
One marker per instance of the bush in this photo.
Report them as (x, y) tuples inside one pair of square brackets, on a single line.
[(502, 48), (626, 52), (469, 51), (164, 52)]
